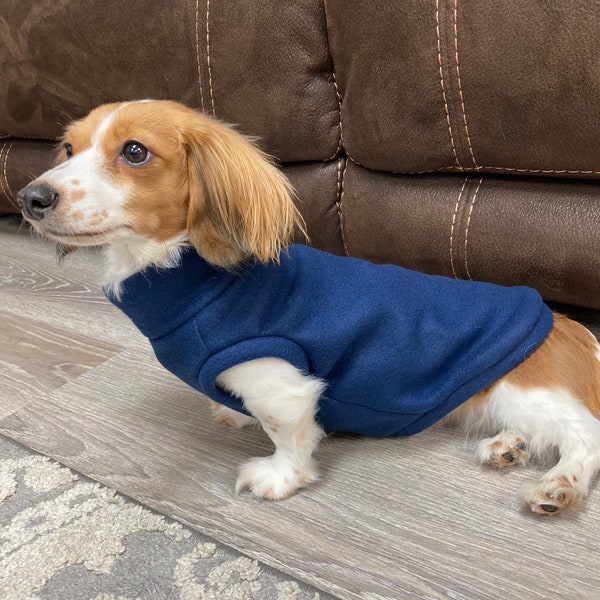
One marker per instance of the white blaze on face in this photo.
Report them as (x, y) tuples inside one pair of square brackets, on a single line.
[(91, 202)]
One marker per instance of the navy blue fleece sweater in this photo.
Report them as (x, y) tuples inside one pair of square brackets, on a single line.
[(399, 350)]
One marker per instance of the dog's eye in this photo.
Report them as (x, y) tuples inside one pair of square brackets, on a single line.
[(68, 150), (135, 153)]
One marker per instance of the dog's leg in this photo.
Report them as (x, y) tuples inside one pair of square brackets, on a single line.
[(284, 401), (565, 485), (551, 420)]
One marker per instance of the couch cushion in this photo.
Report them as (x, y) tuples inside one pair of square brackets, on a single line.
[(267, 70), (511, 230), (505, 87)]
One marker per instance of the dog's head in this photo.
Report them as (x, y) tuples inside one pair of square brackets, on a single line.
[(157, 170)]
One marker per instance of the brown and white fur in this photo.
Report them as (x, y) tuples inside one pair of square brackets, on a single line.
[(145, 179)]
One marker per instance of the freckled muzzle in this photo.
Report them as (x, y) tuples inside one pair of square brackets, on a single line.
[(37, 200)]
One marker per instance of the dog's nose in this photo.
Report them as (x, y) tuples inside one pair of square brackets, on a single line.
[(37, 199)]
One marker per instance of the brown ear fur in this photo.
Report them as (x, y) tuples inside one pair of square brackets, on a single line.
[(240, 204)]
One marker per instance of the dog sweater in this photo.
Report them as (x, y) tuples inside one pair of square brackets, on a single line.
[(398, 349)]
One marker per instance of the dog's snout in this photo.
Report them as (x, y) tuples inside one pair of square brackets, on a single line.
[(37, 199)]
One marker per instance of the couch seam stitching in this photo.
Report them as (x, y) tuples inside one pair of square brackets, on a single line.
[(30, 137), (443, 86), (582, 172), (8, 151), (210, 85), (453, 226), (2, 188), (340, 200), (7, 190), (460, 91), (482, 167), (340, 130), (198, 62), (467, 228)]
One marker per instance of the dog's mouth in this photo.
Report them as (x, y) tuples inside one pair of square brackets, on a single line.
[(80, 238)]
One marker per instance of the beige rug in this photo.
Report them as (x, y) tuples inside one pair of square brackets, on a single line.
[(64, 537)]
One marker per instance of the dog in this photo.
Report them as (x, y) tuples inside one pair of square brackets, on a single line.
[(195, 220)]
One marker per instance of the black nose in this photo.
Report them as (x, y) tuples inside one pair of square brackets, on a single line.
[(37, 199)]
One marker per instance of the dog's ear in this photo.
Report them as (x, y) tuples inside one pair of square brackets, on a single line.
[(240, 204)]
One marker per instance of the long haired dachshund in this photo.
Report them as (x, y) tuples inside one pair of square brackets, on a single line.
[(196, 224)]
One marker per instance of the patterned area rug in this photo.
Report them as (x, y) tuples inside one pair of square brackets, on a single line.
[(64, 537)]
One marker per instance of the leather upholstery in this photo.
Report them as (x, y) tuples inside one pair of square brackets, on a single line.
[(452, 136)]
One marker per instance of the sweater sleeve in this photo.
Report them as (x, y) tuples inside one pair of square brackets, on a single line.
[(244, 351)]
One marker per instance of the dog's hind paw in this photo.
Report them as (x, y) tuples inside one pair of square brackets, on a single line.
[(229, 417), (503, 450), (551, 496)]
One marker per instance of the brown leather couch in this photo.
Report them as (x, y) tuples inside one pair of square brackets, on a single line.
[(458, 137)]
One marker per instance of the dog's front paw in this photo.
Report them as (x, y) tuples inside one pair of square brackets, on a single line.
[(272, 478)]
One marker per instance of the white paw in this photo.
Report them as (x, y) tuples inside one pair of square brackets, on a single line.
[(229, 417), (503, 450), (272, 478), (551, 495)]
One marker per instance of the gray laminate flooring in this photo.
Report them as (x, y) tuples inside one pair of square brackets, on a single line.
[(392, 518)]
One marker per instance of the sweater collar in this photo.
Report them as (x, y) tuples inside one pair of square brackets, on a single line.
[(160, 300)]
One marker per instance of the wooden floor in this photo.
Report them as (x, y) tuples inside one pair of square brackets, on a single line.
[(394, 518)]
